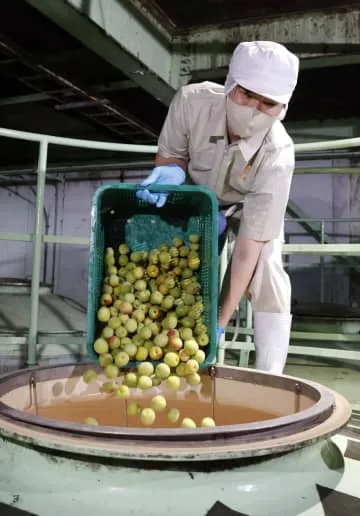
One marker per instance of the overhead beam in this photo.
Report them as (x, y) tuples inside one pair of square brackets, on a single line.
[(131, 38), (328, 129), (156, 17), (306, 63), (114, 31), (320, 35), (322, 28), (114, 86), (23, 99), (329, 61), (39, 97)]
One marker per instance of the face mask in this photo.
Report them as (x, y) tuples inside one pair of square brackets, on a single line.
[(246, 121)]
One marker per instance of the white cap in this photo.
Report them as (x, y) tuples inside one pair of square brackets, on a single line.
[(264, 67)]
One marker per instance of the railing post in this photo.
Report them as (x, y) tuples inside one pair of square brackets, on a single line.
[(223, 265), (37, 243), (245, 353), (322, 265)]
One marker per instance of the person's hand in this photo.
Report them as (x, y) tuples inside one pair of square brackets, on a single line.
[(163, 175), (219, 331)]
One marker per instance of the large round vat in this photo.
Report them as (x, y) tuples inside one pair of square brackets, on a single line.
[(278, 453)]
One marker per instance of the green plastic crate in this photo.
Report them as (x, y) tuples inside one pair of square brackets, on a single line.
[(118, 216)]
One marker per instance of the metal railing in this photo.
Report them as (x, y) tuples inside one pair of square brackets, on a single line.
[(241, 328), (38, 237), (324, 238)]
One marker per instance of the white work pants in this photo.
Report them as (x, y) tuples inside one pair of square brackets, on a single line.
[(270, 295), (270, 289)]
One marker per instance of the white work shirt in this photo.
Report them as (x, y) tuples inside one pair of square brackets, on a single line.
[(255, 172)]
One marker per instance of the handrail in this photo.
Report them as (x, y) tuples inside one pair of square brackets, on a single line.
[(127, 147), (75, 142), (44, 142), (328, 145), (323, 219)]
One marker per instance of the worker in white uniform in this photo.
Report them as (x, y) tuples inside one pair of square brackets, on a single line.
[(230, 138)]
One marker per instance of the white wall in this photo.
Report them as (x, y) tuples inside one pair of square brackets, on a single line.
[(17, 212), (321, 196), (71, 270), (71, 261)]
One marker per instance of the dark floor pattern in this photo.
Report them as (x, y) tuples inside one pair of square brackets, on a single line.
[(353, 452), (338, 504), (219, 509), (10, 510)]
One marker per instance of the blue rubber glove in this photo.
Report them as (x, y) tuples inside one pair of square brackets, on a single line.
[(163, 175), (222, 223), (219, 331)]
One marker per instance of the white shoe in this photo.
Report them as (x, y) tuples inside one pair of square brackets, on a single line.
[(271, 339)]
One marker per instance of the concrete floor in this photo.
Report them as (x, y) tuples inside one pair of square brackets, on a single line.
[(339, 376), (343, 378)]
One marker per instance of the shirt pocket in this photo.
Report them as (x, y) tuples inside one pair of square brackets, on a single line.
[(203, 157)]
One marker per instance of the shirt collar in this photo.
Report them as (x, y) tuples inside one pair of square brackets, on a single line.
[(249, 146)]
